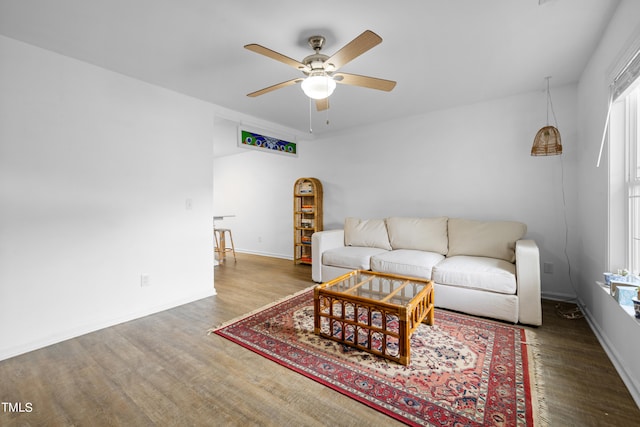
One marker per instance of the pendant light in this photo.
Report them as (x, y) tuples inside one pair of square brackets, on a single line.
[(547, 141)]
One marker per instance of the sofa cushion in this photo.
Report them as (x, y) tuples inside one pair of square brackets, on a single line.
[(489, 274), (406, 262), (423, 234), (494, 239), (366, 232), (355, 257)]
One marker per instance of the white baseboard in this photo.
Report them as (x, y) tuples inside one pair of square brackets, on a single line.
[(613, 354), (269, 254), (101, 324), (554, 296)]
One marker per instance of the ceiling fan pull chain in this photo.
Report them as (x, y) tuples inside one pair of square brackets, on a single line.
[(327, 109), (310, 107)]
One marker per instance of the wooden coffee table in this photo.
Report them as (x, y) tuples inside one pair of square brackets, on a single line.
[(374, 312)]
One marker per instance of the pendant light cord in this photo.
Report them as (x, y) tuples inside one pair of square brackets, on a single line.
[(550, 104), (564, 198), (574, 313)]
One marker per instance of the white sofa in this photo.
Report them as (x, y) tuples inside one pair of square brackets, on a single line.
[(483, 268)]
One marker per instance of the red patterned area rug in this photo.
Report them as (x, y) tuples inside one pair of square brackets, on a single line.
[(464, 371)]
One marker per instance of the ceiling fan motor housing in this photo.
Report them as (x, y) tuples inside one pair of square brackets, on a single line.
[(316, 62), (316, 42)]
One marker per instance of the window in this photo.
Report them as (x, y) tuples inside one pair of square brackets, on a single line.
[(633, 179), (624, 173)]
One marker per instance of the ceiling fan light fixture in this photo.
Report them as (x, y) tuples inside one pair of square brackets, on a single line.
[(318, 86)]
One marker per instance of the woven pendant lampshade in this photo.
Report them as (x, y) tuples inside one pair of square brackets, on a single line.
[(547, 141)]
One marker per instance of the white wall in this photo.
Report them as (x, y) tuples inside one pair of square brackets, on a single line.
[(472, 162), (95, 169), (257, 188), (619, 332)]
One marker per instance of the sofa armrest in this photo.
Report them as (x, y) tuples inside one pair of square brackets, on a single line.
[(322, 241), (528, 282)]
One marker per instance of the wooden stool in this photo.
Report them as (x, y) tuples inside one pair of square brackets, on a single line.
[(221, 248)]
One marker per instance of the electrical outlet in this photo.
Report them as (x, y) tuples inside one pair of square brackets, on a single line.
[(548, 267), (144, 281)]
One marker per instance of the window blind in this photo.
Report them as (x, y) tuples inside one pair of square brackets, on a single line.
[(627, 76)]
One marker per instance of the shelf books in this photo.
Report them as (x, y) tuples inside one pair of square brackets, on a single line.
[(305, 188)]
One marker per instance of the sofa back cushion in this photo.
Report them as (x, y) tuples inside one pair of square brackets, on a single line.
[(493, 239), (423, 234), (369, 233)]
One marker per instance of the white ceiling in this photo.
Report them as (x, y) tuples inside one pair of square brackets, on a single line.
[(442, 53)]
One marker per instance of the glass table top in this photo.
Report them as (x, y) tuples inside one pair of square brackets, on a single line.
[(378, 287)]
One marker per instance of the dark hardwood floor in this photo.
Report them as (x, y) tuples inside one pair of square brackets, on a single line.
[(165, 370)]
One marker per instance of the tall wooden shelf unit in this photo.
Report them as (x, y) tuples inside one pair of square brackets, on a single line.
[(307, 217)]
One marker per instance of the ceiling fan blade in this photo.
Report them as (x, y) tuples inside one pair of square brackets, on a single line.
[(322, 104), (274, 87), (364, 81), (354, 48), (277, 56)]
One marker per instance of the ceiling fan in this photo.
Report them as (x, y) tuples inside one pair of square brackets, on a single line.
[(321, 69)]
